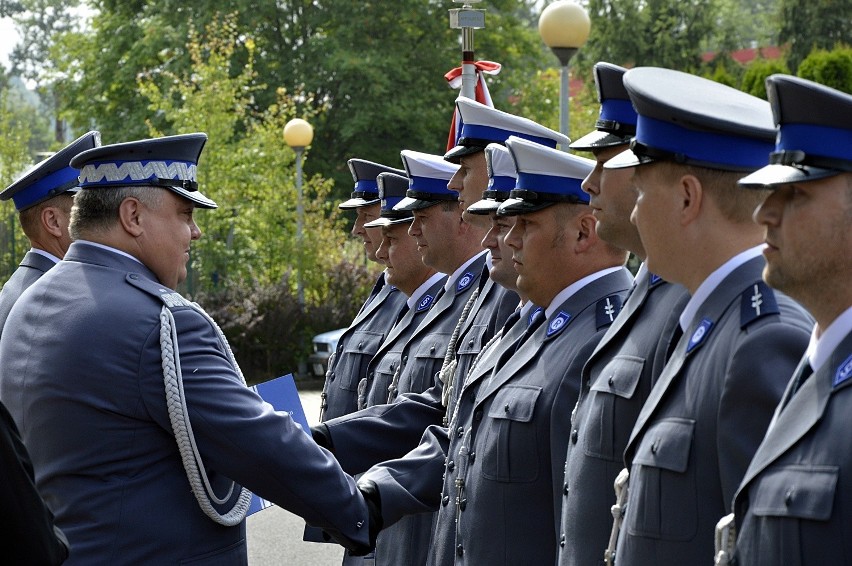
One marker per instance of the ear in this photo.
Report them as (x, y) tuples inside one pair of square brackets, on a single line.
[(691, 193), (52, 221), (585, 229), (129, 214)]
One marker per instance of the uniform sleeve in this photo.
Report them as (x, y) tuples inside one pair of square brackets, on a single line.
[(26, 522), (242, 438), (757, 376)]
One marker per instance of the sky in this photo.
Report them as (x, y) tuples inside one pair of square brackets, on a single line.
[(8, 39)]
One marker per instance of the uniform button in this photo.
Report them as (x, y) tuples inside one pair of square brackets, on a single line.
[(588, 383), (360, 345), (460, 431), (451, 465), (133, 276), (470, 343), (562, 540), (654, 447), (405, 359), (460, 550), (565, 488), (463, 504), (432, 350), (574, 435), (610, 381), (370, 375), (788, 497), (445, 500), (471, 456), (506, 408), (477, 416), (331, 376), (340, 347), (392, 367)]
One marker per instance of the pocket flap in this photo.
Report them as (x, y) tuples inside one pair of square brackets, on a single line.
[(364, 342), (434, 346), (667, 444), (472, 341), (620, 376), (515, 403), (804, 492)]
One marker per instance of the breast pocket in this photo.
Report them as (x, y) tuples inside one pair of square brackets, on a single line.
[(380, 379), (419, 371), (356, 355), (509, 444), (610, 413), (662, 497), (469, 347)]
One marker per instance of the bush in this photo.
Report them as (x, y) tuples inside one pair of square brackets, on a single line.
[(831, 68), (754, 78)]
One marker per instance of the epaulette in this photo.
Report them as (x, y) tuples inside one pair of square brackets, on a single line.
[(757, 301), (606, 310), (169, 297)]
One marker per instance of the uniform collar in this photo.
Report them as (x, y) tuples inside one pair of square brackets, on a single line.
[(108, 248), (820, 349), (48, 255), (451, 280), (414, 299), (568, 291)]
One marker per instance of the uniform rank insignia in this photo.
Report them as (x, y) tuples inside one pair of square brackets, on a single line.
[(607, 309), (699, 335), (558, 323), (424, 303), (464, 282), (844, 372), (757, 301)]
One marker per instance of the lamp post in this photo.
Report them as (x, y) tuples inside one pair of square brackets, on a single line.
[(299, 134), (564, 26)]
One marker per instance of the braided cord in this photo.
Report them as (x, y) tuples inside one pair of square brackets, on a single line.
[(447, 375), (182, 428)]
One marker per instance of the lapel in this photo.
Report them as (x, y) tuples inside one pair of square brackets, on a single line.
[(486, 290), (373, 305), (486, 363), (448, 298), (37, 261), (412, 317), (804, 410), (548, 332), (378, 287), (725, 297)]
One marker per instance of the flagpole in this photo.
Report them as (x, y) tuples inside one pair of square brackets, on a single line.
[(467, 19)]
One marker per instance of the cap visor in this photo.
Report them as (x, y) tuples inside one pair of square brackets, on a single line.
[(383, 221), (455, 154), (516, 206), (356, 203), (598, 139), (484, 206), (777, 174), (626, 159), (196, 197), (409, 203)]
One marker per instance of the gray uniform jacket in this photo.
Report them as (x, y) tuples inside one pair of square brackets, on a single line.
[(83, 378), (705, 417), (794, 506), (504, 455), (356, 348), (33, 266), (616, 381)]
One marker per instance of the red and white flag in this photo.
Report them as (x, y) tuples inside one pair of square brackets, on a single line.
[(454, 78)]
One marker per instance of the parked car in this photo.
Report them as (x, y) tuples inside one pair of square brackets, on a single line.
[(324, 346)]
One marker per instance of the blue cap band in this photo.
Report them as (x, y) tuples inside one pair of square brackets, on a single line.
[(389, 202), (816, 140), (706, 147), (367, 186), (552, 184), (501, 183), (42, 188), (429, 185), (478, 131), (618, 110)]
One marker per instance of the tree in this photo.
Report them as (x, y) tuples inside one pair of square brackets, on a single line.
[(831, 68), (754, 78), (807, 25)]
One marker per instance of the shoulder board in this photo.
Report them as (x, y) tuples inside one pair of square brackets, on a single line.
[(606, 310), (424, 303), (169, 297), (465, 281), (757, 301)]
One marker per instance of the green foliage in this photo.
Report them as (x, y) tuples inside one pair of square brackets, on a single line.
[(831, 68), (807, 25), (754, 77)]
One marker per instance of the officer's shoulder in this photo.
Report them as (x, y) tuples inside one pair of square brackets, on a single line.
[(161, 293)]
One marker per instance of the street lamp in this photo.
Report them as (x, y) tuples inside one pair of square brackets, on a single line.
[(564, 26), (299, 134)]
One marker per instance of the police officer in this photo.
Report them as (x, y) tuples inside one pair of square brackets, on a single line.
[(505, 451), (706, 414), (620, 373), (137, 471), (794, 504), (380, 311), (43, 197)]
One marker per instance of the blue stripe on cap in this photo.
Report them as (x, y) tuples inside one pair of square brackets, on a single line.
[(618, 110), (41, 188), (367, 186), (429, 185), (552, 184), (389, 202), (501, 183), (823, 141), (500, 135), (709, 147)]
